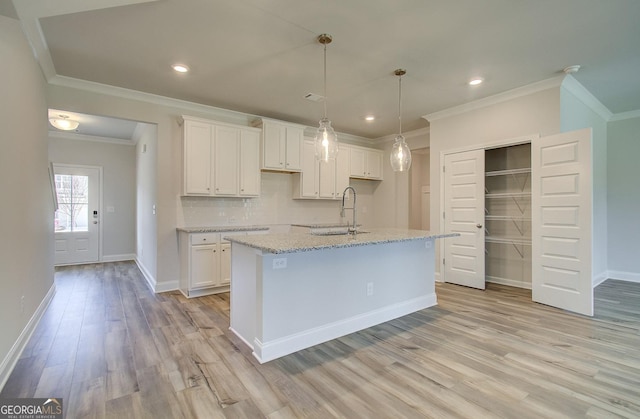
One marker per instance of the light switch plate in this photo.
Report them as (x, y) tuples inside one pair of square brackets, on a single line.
[(280, 263)]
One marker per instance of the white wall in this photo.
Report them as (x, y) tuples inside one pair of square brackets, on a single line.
[(26, 215), (576, 114), (623, 190), (419, 178), (146, 198), (118, 188)]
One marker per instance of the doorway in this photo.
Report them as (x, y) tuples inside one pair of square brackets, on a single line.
[(77, 220)]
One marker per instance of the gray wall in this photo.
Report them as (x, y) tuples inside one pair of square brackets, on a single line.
[(118, 164), (623, 190), (26, 213)]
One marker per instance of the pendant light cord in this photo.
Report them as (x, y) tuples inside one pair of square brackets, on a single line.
[(325, 81), (400, 103)]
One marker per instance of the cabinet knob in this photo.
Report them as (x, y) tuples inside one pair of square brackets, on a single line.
[(479, 225), (204, 240), (241, 190)]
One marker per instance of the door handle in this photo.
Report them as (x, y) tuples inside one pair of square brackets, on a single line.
[(95, 222), (479, 225)]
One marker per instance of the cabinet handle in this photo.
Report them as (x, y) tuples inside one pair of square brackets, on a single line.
[(479, 225), (241, 190)]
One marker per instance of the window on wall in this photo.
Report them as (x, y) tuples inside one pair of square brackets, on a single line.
[(73, 203)]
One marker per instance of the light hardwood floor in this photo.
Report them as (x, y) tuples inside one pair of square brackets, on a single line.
[(111, 348)]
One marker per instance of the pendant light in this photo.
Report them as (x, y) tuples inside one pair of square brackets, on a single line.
[(400, 153), (326, 140)]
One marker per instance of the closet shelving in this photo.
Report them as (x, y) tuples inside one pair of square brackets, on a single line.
[(508, 214)]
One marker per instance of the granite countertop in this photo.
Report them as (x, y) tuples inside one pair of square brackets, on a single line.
[(304, 242), (221, 229)]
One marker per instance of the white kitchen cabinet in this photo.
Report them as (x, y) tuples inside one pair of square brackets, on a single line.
[(220, 159), (205, 262), (342, 169), (226, 147), (249, 163), (197, 157), (281, 145), (365, 163), (306, 183)]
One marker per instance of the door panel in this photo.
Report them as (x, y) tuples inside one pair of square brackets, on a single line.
[(77, 221), (464, 214), (561, 221)]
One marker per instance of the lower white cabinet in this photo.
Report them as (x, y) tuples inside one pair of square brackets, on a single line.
[(205, 262)]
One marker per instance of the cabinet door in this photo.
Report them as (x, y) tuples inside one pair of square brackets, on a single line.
[(197, 158), (293, 148), (273, 145), (249, 163), (357, 160), (225, 264), (204, 266), (327, 179), (374, 164), (226, 141), (309, 174), (342, 170)]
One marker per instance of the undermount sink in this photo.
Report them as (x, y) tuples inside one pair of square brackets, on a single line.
[(335, 233)]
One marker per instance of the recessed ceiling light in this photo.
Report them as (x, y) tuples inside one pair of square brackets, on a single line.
[(369, 118), (180, 68), (476, 81)]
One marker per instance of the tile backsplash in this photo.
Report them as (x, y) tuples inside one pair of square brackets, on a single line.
[(274, 206)]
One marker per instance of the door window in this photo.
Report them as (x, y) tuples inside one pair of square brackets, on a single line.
[(73, 203)]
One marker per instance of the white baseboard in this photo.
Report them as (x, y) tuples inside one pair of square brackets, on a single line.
[(9, 362), (153, 285), (119, 258), (599, 279), (508, 282), (267, 351), (624, 276)]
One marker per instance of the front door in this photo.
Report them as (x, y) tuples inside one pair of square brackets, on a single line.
[(561, 221), (77, 220), (464, 214)]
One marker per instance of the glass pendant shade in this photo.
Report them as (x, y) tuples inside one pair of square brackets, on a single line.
[(400, 155), (326, 141)]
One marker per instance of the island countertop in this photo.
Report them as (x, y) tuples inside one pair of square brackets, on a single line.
[(304, 242)]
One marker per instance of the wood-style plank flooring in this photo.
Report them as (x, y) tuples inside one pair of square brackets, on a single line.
[(111, 348)]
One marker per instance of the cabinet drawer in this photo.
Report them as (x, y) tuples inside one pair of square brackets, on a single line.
[(205, 238)]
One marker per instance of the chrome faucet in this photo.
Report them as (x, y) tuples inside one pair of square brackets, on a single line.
[(353, 229)]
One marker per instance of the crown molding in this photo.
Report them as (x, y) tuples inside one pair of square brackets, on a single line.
[(407, 135), (93, 138), (625, 115), (495, 99), (574, 87)]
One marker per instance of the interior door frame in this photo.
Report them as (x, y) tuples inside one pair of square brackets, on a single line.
[(525, 139), (100, 199)]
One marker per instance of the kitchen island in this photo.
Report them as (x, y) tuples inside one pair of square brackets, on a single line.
[(293, 291)]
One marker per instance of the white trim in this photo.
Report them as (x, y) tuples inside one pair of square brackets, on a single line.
[(625, 115), (508, 282), (119, 258), (267, 351), (94, 138), (624, 276), (495, 99), (150, 280), (574, 87), (168, 286), (9, 362), (407, 135), (599, 279)]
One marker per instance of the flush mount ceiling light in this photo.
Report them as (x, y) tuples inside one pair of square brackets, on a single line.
[(180, 68), (64, 123), (476, 81), (369, 118), (326, 140), (400, 154)]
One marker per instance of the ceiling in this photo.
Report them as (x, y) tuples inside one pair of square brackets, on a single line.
[(262, 56)]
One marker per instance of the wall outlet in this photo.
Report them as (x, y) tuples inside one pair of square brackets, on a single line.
[(369, 289), (428, 244), (280, 263)]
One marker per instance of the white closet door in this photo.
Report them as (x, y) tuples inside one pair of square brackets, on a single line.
[(464, 214), (561, 221)]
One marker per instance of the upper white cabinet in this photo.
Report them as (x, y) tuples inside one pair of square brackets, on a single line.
[(320, 179), (220, 159), (365, 163), (281, 145)]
